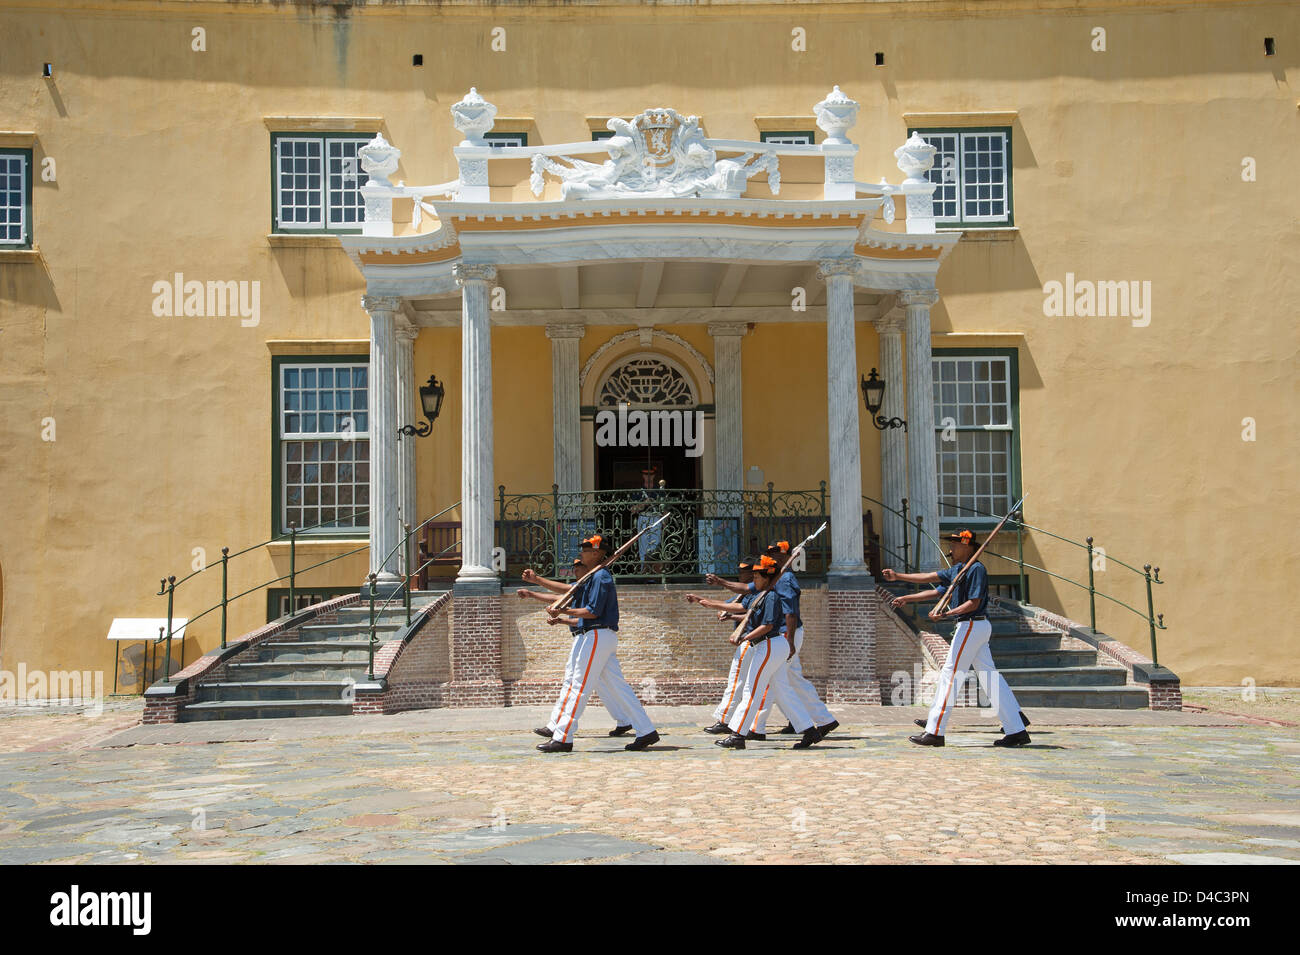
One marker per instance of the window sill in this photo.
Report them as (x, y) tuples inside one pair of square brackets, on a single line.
[(308, 240), (282, 546), (997, 234), (20, 255)]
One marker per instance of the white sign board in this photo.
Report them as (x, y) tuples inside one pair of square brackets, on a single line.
[(146, 628)]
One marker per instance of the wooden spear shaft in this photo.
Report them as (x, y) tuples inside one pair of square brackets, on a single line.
[(947, 594)]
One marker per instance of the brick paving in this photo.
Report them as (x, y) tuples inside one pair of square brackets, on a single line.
[(466, 787)]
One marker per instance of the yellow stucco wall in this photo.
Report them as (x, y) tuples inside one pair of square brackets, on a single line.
[(1126, 165)]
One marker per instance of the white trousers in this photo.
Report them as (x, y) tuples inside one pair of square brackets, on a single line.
[(765, 662), (591, 667), (735, 685), (611, 700), (792, 683), (970, 648)]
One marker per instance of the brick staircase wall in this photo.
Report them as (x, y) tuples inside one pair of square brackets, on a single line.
[(415, 671), (164, 702)]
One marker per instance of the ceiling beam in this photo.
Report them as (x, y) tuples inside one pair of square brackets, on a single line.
[(648, 292), (728, 285), (567, 279)]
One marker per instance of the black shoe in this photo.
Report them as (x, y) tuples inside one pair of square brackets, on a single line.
[(734, 741), (810, 736), (920, 723), (1023, 718), (788, 730), (755, 736), (555, 747), (622, 729), (1015, 739), (641, 742), (926, 739), (544, 733), (829, 728), (717, 728)]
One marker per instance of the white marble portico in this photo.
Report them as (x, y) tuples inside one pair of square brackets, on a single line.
[(610, 242)]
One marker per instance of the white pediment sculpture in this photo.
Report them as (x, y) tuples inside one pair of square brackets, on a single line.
[(658, 154)]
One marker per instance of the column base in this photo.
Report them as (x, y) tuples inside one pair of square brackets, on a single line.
[(850, 578), (851, 656)]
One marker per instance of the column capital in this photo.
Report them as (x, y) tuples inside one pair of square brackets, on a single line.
[(828, 267), (381, 303), (406, 333), (891, 323), (728, 329), (926, 297), (561, 331), (474, 273)]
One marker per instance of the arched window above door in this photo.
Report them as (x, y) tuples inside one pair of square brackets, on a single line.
[(646, 381)]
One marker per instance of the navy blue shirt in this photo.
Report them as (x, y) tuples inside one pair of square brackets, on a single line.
[(974, 585), (787, 589), (767, 613), (602, 600)]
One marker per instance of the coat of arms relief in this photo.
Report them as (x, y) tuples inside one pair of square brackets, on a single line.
[(658, 154)]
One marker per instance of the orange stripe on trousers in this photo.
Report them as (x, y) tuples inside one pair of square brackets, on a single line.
[(757, 676), (731, 695), (595, 641), (953, 681)]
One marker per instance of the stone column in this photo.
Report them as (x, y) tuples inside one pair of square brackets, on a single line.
[(728, 384), (566, 423), (408, 411), (384, 535), (842, 397), (476, 426), (893, 441), (923, 482)]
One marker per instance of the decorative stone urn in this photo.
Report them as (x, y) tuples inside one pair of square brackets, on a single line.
[(473, 116), (915, 157), (379, 158), (836, 114)]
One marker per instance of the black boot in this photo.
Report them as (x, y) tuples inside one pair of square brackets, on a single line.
[(734, 741), (641, 742), (810, 736), (717, 729), (927, 739), (1015, 739)]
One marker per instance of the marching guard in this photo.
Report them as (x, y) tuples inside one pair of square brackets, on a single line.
[(970, 641)]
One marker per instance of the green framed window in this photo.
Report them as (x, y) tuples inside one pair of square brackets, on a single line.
[(506, 139), (320, 445), (15, 198), (316, 182), (796, 137), (972, 175), (599, 134), (976, 433)]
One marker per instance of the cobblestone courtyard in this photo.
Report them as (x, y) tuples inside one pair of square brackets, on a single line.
[(466, 786)]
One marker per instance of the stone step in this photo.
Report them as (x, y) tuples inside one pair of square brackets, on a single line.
[(353, 632), (291, 651), (1000, 626), (272, 690), (1065, 676), (1024, 642), (1042, 659), (1083, 697), (323, 670), (263, 709)]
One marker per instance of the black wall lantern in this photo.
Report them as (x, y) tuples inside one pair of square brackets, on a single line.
[(873, 393), (431, 396)]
